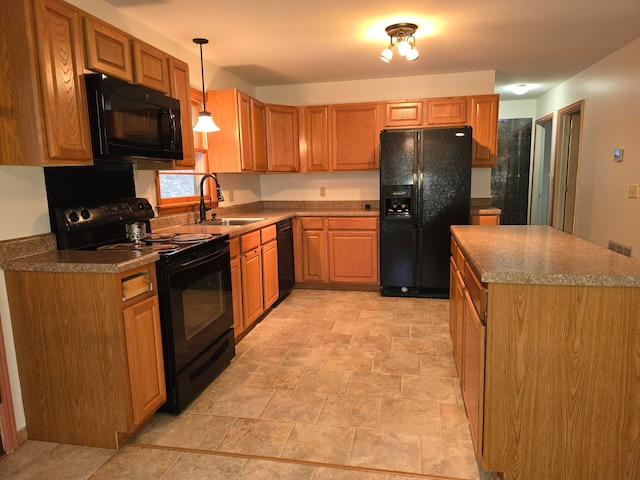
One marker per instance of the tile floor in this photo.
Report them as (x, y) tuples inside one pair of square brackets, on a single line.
[(330, 385)]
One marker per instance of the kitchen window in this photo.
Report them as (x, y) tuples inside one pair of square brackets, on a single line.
[(179, 190)]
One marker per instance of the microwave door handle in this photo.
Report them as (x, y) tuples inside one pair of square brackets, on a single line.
[(172, 127)]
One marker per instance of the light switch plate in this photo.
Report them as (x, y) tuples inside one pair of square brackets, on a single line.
[(632, 191), (618, 154)]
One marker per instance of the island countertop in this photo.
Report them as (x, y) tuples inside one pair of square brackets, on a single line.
[(539, 254)]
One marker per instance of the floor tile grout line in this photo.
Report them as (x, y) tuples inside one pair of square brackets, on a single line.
[(381, 471)]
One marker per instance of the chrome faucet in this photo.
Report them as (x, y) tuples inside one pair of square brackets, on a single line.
[(203, 208)]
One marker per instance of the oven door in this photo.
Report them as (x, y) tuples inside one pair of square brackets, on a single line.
[(200, 304)]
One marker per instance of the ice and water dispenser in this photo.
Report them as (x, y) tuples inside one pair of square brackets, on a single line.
[(397, 201)]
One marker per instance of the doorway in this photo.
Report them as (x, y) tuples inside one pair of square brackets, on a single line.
[(566, 171), (541, 180)]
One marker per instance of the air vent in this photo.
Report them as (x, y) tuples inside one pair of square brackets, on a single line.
[(620, 248)]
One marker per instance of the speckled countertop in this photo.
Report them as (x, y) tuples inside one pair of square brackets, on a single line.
[(38, 253), (540, 254)]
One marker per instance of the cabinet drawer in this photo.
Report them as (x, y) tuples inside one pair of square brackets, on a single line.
[(250, 241), (457, 255), (477, 291), (353, 223), (136, 284), (267, 234), (312, 223)]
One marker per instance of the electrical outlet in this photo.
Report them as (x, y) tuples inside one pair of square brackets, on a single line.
[(632, 191), (323, 191), (231, 195)]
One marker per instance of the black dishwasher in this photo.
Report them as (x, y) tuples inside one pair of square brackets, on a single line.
[(286, 270)]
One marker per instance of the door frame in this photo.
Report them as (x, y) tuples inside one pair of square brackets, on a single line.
[(541, 184), (9, 441), (566, 164)]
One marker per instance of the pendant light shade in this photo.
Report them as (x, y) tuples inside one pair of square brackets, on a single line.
[(205, 121)]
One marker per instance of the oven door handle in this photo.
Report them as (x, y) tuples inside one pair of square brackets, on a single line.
[(179, 267)]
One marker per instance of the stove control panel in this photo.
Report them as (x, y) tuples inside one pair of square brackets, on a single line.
[(91, 216)]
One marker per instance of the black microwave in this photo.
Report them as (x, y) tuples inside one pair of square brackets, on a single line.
[(132, 122)]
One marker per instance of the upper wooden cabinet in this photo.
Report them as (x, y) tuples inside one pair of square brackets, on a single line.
[(258, 135), (283, 153), (114, 52), (403, 114), (181, 89), (314, 139), (231, 149), (446, 111), (44, 105), (150, 66), (483, 118), (355, 136), (108, 49)]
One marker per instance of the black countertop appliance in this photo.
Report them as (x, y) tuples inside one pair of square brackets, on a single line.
[(425, 187)]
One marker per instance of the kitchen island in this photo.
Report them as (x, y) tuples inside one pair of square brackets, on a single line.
[(546, 331)]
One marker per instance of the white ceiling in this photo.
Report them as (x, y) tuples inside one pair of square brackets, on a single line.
[(281, 42)]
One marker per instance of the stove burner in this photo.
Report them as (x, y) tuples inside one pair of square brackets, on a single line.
[(159, 237), (192, 238), (143, 248)]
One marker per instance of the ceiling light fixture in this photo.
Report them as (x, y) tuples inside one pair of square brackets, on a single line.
[(205, 121), (520, 89), (402, 40)]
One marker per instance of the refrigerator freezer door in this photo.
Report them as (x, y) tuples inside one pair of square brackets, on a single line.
[(444, 200)]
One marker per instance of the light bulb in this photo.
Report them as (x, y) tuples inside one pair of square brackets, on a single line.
[(412, 54), (386, 55), (205, 123), (403, 47)]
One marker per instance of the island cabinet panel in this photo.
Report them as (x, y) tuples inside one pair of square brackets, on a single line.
[(355, 136), (563, 382), (90, 362), (550, 352)]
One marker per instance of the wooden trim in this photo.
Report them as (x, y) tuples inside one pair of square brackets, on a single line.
[(10, 440)]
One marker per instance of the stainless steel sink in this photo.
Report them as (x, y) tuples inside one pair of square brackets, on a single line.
[(231, 222)]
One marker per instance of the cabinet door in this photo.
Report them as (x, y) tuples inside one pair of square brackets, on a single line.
[(473, 371), (315, 145), (283, 153), (313, 256), (252, 306), (446, 111), (180, 89), (484, 121), (150, 67), (353, 256), (244, 125), (144, 358), (355, 136), (258, 135), (403, 114), (61, 67), (108, 49), (456, 313), (270, 273), (236, 290)]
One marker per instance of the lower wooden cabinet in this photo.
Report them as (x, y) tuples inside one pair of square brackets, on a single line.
[(257, 277), (89, 352), (236, 286), (337, 250), (353, 250), (485, 219)]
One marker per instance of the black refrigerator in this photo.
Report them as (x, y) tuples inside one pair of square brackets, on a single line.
[(425, 187)]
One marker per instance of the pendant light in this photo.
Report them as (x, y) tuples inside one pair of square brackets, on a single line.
[(205, 121)]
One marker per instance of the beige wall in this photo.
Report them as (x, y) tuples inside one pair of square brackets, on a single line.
[(611, 91)]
